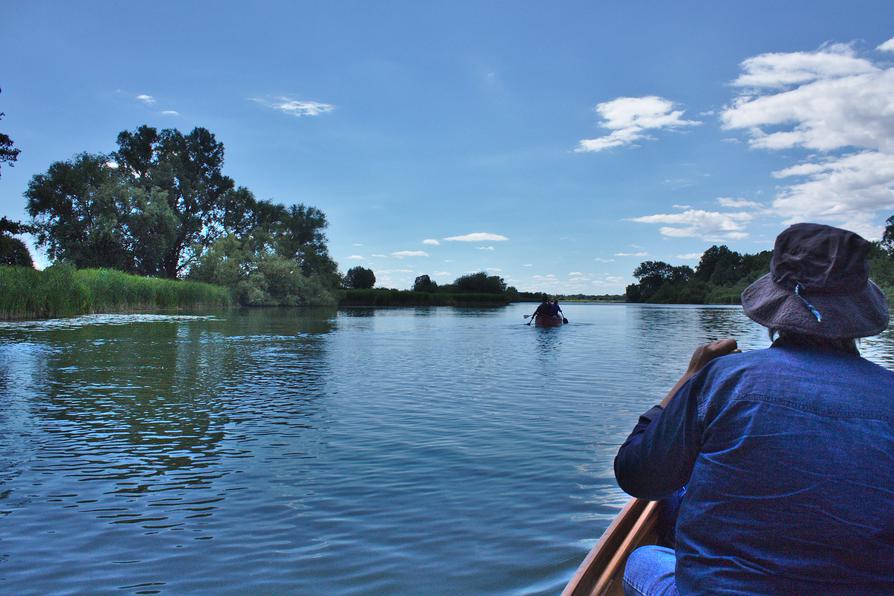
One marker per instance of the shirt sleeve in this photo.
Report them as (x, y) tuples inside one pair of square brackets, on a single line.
[(658, 456)]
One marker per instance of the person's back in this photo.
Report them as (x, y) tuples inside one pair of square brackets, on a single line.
[(786, 455), (793, 487)]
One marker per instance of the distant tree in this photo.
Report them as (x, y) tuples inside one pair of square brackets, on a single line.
[(8, 153), (424, 283), (888, 237), (719, 265), (360, 278), (14, 252), (480, 282)]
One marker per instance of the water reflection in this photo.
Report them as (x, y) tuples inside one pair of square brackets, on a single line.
[(315, 451)]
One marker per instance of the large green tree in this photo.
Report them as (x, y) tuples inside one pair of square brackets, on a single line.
[(186, 171)]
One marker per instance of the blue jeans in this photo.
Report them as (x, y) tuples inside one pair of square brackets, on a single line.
[(650, 569), (650, 572)]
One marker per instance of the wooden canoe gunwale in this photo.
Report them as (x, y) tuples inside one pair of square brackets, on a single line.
[(603, 568)]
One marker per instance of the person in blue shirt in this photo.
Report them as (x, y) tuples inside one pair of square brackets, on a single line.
[(786, 454)]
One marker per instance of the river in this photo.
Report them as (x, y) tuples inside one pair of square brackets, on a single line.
[(427, 450)]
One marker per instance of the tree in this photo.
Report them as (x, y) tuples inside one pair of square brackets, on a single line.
[(78, 209), (719, 265), (14, 252), (888, 237), (187, 170), (480, 282), (360, 278), (424, 283), (8, 153)]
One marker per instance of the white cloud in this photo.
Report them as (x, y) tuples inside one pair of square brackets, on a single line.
[(733, 203), (478, 237), (846, 190), (682, 206), (379, 256), (146, 99), (691, 256), (409, 253), (632, 254), (601, 260), (431, 242), (170, 113), (834, 102), (442, 273), (493, 270), (112, 164), (357, 244), (355, 258), (484, 247), (630, 118), (528, 265), (296, 107), (697, 223), (777, 70), (575, 274)]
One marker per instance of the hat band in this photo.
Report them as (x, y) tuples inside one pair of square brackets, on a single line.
[(807, 305)]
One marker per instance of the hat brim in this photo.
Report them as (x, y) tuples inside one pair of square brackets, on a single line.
[(861, 313)]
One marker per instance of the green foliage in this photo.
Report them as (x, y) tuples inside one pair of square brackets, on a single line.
[(62, 290), (480, 282), (147, 208), (888, 237), (14, 253), (424, 283), (360, 278), (722, 275), (657, 281), (259, 277)]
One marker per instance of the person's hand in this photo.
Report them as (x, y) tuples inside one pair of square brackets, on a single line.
[(705, 353), (700, 357)]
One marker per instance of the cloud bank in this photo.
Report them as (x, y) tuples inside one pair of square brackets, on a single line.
[(836, 104)]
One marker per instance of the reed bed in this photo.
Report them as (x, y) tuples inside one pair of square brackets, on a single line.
[(62, 290)]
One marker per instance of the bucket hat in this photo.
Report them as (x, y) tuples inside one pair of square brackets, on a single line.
[(818, 285)]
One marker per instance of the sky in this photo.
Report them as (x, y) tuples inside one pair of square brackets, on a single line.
[(557, 145)]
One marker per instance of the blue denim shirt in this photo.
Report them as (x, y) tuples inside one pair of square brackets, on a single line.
[(788, 458)]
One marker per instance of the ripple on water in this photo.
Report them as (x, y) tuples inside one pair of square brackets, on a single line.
[(283, 451)]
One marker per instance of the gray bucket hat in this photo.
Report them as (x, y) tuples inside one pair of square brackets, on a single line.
[(818, 285)]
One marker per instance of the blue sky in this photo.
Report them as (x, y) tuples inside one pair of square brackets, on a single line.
[(555, 144)]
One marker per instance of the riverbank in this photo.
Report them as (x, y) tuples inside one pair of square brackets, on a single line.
[(60, 291), (389, 297)]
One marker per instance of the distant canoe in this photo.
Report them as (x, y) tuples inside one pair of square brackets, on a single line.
[(548, 321), (602, 571)]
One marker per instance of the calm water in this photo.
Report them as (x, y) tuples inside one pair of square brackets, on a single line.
[(281, 451)]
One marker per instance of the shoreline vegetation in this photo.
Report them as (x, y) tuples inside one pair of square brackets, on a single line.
[(62, 290), (156, 224), (722, 275)]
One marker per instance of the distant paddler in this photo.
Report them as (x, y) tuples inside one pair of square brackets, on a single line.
[(547, 314)]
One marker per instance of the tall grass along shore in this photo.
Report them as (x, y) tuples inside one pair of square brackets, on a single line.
[(62, 290)]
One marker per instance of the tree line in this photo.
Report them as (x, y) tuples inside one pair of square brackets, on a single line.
[(160, 205), (722, 274), (362, 278)]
